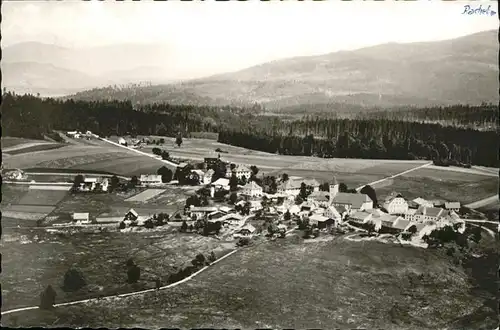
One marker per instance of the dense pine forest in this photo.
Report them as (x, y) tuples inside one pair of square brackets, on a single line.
[(376, 137)]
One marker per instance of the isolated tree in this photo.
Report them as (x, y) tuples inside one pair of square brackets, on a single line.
[(48, 298), (79, 179), (287, 216), (149, 224), (233, 198), (166, 174), (412, 230), (157, 151), (184, 226), (343, 187), (303, 191), (178, 140), (368, 190), (73, 281), (324, 186), (254, 169), (298, 200), (162, 140), (114, 182), (165, 155), (233, 183), (284, 177), (212, 257), (122, 225), (134, 181), (133, 273), (199, 260), (232, 166)]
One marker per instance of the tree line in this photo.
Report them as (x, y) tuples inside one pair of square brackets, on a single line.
[(364, 138)]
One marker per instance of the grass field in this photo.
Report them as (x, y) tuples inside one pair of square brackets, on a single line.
[(145, 195), (42, 197), (32, 259), (442, 185), (8, 142), (34, 148), (288, 284)]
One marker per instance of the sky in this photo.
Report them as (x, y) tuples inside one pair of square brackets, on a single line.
[(226, 36)]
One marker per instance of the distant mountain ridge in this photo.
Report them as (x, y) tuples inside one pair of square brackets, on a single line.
[(457, 71)]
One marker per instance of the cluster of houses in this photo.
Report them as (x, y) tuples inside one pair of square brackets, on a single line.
[(94, 185), (79, 135)]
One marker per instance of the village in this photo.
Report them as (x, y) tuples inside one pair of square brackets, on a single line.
[(232, 202)]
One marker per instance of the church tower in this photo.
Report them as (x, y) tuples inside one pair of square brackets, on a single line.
[(334, 189)]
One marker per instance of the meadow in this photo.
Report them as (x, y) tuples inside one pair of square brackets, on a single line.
[(440, 185), (290, 284), (33, 259), (9, 142)]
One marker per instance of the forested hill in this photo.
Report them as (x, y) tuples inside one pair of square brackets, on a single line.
[(458, 71), (29, 116)]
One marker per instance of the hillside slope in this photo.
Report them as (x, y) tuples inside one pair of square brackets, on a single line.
[(462, 70)]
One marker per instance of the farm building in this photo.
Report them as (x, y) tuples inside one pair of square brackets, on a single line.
[(131, 215), (395, 204), (240, 171), (320, 197), (321, 221), (289, 188), (201, 211), (81, 218), (334, 213), (150, 179), (255, 206), (429, 213), (246, 230), (231, 218), (308, 206), (410, 214), (400, 224), (226, 209), (422, 202), (452, 206), (211, 161), (352, 202), (216, 214), (361, 217), (221, 183), (252, 189), (294, 209)]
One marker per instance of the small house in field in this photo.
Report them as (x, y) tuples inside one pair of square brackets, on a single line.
[(321, 221), (81, 218), (221, 183), (150, 179), (131, 215), (395, 204), (252, 189), (452, 206)]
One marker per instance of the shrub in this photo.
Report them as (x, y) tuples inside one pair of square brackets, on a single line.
[(47, 298), (121, 225), (73, 281), (243, 241), (133, 274)]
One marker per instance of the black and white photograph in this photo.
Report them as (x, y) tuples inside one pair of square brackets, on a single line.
[(250, 164)]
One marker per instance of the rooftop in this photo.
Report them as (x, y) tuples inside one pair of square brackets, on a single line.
[(356, 200), (452, 205), (252, 185)]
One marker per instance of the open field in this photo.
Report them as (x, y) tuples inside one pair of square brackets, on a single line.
[(10, 142), (32, 259), (28, 148), (145, 195), (43, 197), (442, 185), (287, 284)]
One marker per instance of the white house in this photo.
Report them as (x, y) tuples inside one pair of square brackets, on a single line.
[(131, 216), (246, 231), (452, 206), (294, 209), (321, 221), (240, 171), (395, 204), (207, 178), (221, 183), (429, 213), (333, 213), (252, 189), (255, 206), (81, 218), (352, 202), (200, 211), (151, 179), (122, 141)]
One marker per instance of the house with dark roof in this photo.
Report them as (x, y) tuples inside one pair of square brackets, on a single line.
[(352, 202), (321, 221)]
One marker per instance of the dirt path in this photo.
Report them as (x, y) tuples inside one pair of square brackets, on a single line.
[(26, 145), (394, 176)]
